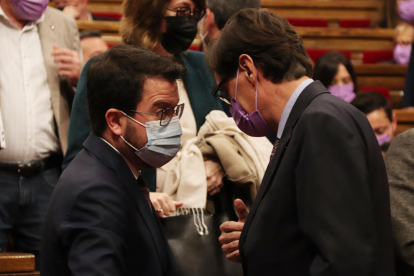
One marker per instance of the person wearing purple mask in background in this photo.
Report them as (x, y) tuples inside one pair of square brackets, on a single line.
[(40, 66), (379, 114), (404, 37), (336, 72)]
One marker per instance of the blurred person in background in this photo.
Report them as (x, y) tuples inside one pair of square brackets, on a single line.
[(167, 27), (217, 14), (336, 72), (39, 70), (77, 9), (92, 44), (403, 38), (379, 114)]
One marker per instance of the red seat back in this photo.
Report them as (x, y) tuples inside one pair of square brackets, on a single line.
[(382, 90), (355, 23), (315, 54), (107, 16), (308, 22), (372, 57)]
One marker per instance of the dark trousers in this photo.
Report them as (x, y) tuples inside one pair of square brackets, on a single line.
[(23, 205)]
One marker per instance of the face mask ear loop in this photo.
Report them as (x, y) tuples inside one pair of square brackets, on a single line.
[(237, 80), (256, 88)]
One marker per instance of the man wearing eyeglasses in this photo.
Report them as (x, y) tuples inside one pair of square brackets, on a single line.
[(100, 219), (323, 206)]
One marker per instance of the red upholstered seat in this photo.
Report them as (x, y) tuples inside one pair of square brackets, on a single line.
[(315, 54), (308, 22), (382, 90), (107, 16), (355, 23), (372, 57)]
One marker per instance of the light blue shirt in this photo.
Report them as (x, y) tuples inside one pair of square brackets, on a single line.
[(289, 106)]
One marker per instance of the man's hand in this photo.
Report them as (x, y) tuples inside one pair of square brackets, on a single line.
[(162, 201), (214, 174), (68, 63), (231, 231), (72, 11)]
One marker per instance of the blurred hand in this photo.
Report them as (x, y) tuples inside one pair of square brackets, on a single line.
[(72, 11), (231, 231), (214, 176), (68, 63), (164, 202)]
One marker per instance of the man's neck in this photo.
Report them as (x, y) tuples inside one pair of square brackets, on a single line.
[(8, 9), (126, 153), (278, 100)]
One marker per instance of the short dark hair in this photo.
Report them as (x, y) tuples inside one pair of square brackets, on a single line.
[(224, 9), (368, 102), (268, 39), (90, 33), (327, 66), (115, 79)]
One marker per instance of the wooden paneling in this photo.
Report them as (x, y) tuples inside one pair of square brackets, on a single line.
[(17, 262), (405, 120)]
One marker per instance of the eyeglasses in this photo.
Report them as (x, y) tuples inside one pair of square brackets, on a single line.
[(166, 114), (183, 13), (222, 96)]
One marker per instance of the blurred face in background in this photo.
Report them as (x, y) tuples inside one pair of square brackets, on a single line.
[(383, 128)]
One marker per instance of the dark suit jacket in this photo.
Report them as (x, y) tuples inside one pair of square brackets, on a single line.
[(99, 222), (198, 81), (323, 206), (408, 98)]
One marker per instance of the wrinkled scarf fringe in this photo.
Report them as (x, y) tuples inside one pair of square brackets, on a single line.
[(198, 216)]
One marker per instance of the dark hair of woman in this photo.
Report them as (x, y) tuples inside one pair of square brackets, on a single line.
[(326, 68)]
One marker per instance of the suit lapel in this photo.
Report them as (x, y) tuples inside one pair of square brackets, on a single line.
[(309, 93), (114, 161)]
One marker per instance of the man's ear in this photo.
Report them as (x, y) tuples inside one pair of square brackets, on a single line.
[(247, 68), (394, 122), (114, 120), (209, 20)]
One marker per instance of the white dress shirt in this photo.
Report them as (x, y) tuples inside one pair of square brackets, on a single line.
[(289, 106), (25, 97)]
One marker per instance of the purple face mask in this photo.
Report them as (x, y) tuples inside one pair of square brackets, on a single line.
[(344, 92), (385, 138), (30, 9), (406, 10), (402, 53), (252, 124)]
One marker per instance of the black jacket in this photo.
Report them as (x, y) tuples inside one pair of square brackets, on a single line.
[(99, 222), (323, 206)]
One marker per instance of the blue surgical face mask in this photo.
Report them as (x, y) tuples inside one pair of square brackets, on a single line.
[(163, 142)]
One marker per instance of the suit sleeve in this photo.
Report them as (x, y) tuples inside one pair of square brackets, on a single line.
[(335, 211), (94, 232), (79, 127), (408, 98), (400, 167)]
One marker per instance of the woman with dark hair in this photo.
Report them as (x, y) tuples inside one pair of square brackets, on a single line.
[(336, 72)]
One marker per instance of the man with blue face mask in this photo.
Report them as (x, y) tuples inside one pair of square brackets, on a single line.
[(323, 205), (100, 220)]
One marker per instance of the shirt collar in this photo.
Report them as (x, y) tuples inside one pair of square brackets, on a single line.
[(289, 106), (139, 172), (3, 14)]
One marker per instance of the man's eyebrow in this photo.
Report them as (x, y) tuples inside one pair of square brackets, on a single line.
[(162, 103)]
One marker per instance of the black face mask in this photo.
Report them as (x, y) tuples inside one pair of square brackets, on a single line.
[(179, 35)]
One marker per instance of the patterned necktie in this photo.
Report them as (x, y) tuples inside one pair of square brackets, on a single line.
[(145, 190), (274, 148)]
